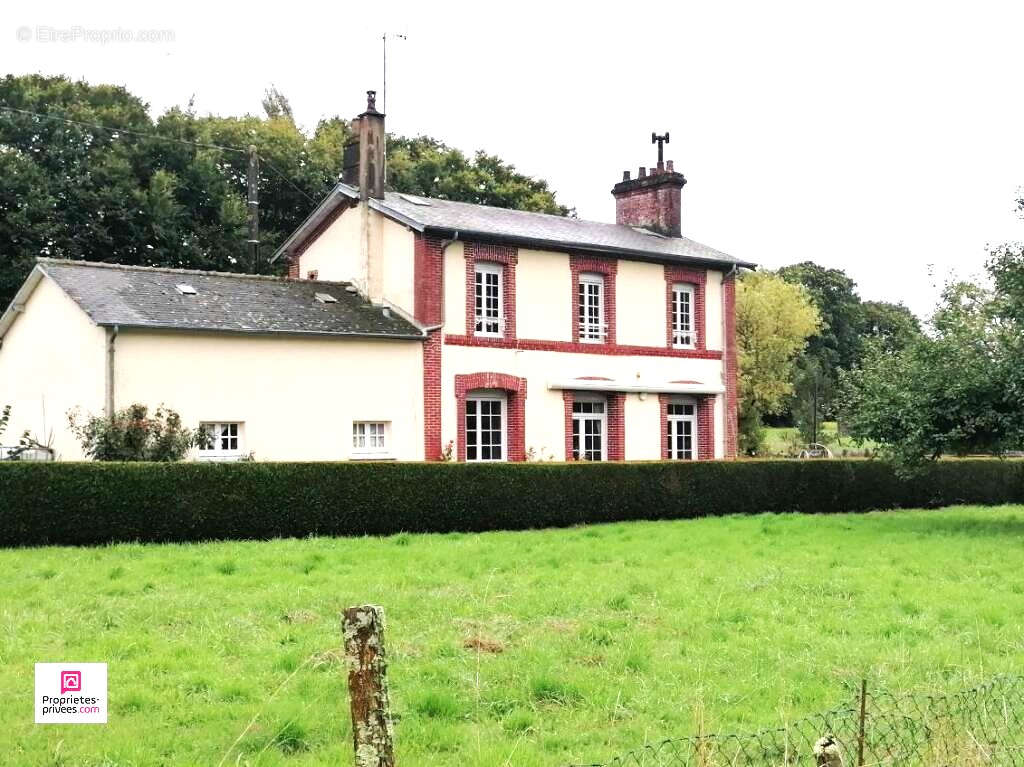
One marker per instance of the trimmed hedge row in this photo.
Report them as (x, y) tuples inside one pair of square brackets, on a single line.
[(91, 503)]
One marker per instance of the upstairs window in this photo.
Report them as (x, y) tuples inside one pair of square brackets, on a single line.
[(223, 441), (684, 334), (489, 318), (592, 327)]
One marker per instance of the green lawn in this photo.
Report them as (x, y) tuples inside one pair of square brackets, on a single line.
[(526, 648)]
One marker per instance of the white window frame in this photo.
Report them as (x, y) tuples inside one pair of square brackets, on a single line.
[(216, 451), (675, 423), (371, 438), (478, 396), (578, 427), (684, 334), (589, 331), (482, 319)]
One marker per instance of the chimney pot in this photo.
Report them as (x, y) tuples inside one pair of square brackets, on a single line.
[(642, 173), (652, 200), (670, 168), (625, 175)]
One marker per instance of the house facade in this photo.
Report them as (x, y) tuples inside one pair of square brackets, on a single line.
[(409, 328)]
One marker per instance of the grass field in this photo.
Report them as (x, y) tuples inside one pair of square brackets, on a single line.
[(527, 648), (786, 441)]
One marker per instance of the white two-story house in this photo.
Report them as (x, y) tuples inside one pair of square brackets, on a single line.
[(410, 329)]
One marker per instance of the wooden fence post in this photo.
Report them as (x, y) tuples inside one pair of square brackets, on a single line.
[(372, 731)]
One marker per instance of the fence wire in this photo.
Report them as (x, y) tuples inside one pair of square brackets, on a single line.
[(979, 726)]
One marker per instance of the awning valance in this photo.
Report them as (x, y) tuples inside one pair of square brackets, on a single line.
[(651, 387)]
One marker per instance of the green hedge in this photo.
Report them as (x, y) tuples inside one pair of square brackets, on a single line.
[(90, 503)]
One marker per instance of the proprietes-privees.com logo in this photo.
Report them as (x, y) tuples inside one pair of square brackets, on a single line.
[(71, 693)]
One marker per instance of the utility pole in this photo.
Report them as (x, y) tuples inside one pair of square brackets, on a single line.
[(253, 178)]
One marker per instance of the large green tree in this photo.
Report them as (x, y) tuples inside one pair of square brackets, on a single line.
[(171, 191), (774, 320), (956, 390)]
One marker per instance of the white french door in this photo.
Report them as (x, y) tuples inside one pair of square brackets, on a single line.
[(589, 430), (486, 428), (682, 431)]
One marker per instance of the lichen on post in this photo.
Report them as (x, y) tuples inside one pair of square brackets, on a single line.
[(372, 730)]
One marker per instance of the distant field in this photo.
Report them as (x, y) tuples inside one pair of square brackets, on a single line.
[(526, 648), (785, 441)]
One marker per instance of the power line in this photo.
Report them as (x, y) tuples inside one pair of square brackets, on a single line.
[(142, 134), (271, 165)]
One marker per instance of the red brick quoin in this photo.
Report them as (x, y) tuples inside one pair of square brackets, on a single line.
[(515, 390), (428, 271), (432, 397), (731, 367), (507, 256), (705, 426), (607, 267), (676, 274), (615, 411)]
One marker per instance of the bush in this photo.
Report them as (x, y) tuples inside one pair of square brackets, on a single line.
[(133, 434), (91, 503)]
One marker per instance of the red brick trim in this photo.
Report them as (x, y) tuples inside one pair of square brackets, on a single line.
[(507, 256), (676, 274), (616, 419), (616, 426), (432, 397), (731, 369), (607, 267), (705, 426), (428, 272), (293, 267), (515, 390), (617, 350)]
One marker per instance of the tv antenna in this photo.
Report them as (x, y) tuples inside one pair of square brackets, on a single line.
[(384, 90)]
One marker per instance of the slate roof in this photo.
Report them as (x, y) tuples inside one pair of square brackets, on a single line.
[(540, 230), (145, 297)]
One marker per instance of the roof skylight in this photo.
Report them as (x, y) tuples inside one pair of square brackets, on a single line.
[(414, 200), (326, 298), (185, 290), (648, 232)]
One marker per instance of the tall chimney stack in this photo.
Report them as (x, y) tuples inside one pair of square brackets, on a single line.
[(363, 163), (652, 200)]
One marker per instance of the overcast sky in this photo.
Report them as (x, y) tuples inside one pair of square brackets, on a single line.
[(881, 138)]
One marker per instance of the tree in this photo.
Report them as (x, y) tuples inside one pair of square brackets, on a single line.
[(172, 191), (774, 319), (837, 344), (133, 434), (955, 391), (893, 325)]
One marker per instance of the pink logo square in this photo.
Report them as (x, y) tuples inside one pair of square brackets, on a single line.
[(70, 681)]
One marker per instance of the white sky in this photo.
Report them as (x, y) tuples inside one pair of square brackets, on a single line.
[(882, 138)]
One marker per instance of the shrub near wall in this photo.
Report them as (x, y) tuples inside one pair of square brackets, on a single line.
[(90, 503)]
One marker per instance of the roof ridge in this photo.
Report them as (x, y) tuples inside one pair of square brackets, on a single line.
[(172, 270)]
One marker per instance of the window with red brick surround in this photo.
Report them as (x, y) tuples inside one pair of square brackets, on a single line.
[(515, 428), (705, 425), (607, 267), (697, 278), (508, 257), (615, 411), (731, 366)]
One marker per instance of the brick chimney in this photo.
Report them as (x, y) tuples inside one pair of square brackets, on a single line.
[(363, 162), (651, 200)]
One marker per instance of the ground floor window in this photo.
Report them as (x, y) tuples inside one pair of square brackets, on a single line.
[(589, 429), (223, 441), (369, 437), (486, 427), (682, 430)]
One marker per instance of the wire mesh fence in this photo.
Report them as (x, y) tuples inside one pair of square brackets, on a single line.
[(978, 726)]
